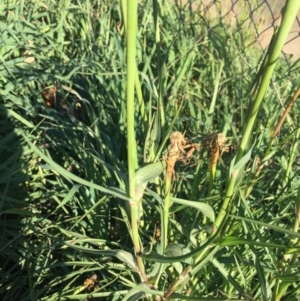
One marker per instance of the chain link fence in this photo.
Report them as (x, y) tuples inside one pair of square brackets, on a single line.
[(256, 18)]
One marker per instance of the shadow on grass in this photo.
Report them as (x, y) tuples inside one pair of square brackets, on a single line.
[(30, 252), (17, 264)]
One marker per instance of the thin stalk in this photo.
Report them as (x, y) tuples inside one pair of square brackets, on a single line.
[(166, 211), (172, 158), (212, 170), (212, 175), (159, 67), (138, 88), (289, 15), (191, 272), (274, 135), (131, 143), (216, 90), (174, 154), (131, 52), (215, 155), (195, 187)]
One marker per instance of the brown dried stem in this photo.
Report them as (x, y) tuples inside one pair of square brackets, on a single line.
[(275, 133), (177, 152)]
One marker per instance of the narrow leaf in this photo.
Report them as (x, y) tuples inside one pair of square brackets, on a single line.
[(235, 241), (70, 176), (206, 209), (148, 173)]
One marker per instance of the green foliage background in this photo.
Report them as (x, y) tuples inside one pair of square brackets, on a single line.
[(64, 188)]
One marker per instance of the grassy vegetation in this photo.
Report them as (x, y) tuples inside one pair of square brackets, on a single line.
[(147, 150)]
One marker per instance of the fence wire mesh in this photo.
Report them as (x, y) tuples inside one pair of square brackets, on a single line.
[(254, 18)]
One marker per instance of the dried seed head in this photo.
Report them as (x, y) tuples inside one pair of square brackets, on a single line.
[(221, 140), (214, 143), (177, 137)]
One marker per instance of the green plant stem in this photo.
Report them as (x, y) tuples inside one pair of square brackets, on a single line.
[(166, 213), (191, 272), (195, 187), (292, 157), (165, 223), (289, 15), (138, 88), (160, 104), (131, 52), (131, 143), (212, 174)]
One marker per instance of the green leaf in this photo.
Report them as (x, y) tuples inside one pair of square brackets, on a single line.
[(144, 175), (289, 277), (206, 209), (241, 163), (68, 196), (175, 250), (269, 226), (122, 255), (13, 114), (139, 291), (226, 274), (154, 256), (20, 212), (235, 241), (176, 296), (70, 176), (148, 173), (261, 278)]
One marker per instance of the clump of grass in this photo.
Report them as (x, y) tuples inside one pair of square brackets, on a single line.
[(107, 192)]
